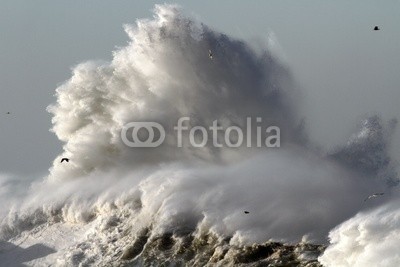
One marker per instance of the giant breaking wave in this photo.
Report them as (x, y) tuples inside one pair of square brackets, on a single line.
[(114, 205)]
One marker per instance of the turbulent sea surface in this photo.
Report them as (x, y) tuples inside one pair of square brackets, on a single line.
[(113, 205)]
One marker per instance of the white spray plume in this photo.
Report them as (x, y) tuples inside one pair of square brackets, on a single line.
[(369, 239), (164, 74)]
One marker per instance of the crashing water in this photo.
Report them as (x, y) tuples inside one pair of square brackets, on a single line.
[(112, 205)]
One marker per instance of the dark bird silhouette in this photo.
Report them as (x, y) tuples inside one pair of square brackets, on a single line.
[(246, 212), (374, 196), (210, 55), (8, 112), (376, 28), (64, 159)]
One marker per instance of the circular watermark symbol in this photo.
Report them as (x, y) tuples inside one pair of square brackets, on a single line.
[(135, 141)]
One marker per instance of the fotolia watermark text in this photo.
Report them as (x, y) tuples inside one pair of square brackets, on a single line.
[(152, 134)]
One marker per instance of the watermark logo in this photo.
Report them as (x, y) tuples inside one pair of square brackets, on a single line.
[(136, 141), (198, 136)]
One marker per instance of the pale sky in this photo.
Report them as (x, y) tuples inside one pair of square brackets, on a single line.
[(344, 69)]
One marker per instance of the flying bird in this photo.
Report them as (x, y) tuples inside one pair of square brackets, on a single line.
[(64, 159), (8, 112), (376, 28), (374, 196), (210, 55), (246, 212)]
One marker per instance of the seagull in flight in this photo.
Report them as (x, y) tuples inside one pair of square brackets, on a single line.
[(64, 159), (376, 28), (246, 212), (210, 55), (374, 196)]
